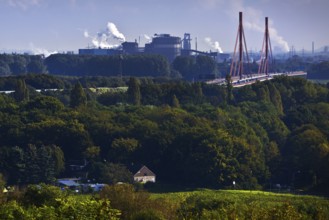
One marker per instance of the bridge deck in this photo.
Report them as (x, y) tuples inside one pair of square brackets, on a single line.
[(237, 82)]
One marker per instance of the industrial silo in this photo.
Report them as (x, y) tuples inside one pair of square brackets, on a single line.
[(165, 45)]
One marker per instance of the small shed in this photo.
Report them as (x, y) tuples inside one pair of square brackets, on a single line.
[(144, 175), (70, 183)]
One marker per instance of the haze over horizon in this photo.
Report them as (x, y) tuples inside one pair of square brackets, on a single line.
[(45, 26)]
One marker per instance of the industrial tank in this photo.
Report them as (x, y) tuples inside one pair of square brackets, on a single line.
[(165, 45)]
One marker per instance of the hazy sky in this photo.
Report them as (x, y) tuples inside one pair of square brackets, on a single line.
[(62, 25)]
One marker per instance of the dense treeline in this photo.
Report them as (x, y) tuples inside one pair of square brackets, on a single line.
[(187, 133), (196, 68), (186, 67), (15, 64), (48, 81), (83, 65), (319, 71)]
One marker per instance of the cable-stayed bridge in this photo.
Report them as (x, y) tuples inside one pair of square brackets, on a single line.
[(240, 73), (237, 82)]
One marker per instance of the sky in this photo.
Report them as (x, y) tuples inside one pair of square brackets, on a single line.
[(46, 26)]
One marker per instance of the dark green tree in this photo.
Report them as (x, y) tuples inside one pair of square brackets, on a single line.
[(205, 67), (14, 165), (184, 65), (122, 148), (18, 67), (36, 66), (134, 94), (42, 164), (305, 151), (4, 68), (229, 88), (275, 97), (78, 96), (109, 173), (21, 91), (175, 102)]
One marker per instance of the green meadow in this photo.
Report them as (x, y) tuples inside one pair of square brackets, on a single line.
[(240, 204), (124, 201)]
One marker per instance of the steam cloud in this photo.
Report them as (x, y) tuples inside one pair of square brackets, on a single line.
[(279, 39), (103, 38), (148, 38), (40, 51), (273, 34), (213, 44), (86, 34), (112, 29)]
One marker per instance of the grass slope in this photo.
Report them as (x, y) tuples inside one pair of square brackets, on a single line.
[(238, 204)]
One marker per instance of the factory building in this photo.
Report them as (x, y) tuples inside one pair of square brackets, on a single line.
[(187, 49), (165, 45), (162, 44), (130, 48)]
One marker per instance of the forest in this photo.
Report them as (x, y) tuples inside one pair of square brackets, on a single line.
[(183, 67), (189, 134)]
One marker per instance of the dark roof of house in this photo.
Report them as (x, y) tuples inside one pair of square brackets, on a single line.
[(144, 171), (68, 182)]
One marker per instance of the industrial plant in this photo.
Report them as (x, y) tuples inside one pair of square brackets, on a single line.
[(162, 44), (174, 46)]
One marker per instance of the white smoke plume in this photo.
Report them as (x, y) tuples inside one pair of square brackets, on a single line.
[(148, 38), (112, 29), (214, 44), (274, 36), (41, 51), (103, 38), (278, 39), (86, 34)]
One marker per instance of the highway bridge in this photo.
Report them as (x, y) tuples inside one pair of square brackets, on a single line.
[(240, 76), (248, 80)]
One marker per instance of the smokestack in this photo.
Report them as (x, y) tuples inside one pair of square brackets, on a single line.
[(312, 47), (196, 43)]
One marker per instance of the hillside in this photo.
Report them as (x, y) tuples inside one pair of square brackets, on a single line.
[(191, 134)]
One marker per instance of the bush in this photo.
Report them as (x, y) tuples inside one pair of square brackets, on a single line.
[(40, 195)]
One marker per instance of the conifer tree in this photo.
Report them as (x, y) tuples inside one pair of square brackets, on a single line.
[(78, 96), (134, 94), (175, 102), (229, 88), (275, 97), (21, 91)]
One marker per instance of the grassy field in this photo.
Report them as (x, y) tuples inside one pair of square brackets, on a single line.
[(124, 202), (102, 90), (238, 204)]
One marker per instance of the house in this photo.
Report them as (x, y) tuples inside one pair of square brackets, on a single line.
[(144, 175)]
